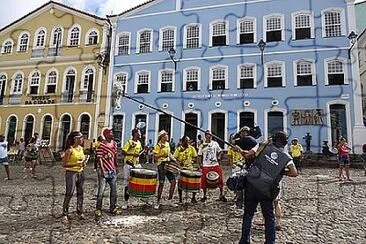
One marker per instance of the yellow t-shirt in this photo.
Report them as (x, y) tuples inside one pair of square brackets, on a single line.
[(296, 150), (185, 156), (77, 157), (132, 147), (236, 156), (162, 149)]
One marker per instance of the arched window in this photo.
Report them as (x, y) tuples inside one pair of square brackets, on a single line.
[(17, 84), (74, 38), (34, 83), (51, 82), (23, 42), (65, 129), (47, 127), (28, 129), (40, 38), (7, 47), (85, 125), (92, 38), (12, 126), (2, 87), (219, 33), (167, 38), (68, 93), (144, 41), (56, 37)]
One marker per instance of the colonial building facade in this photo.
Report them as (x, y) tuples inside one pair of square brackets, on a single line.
[(271, 63), (52, 75)]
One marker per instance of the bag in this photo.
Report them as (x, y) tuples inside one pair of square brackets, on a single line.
[(266, 171), (237, 181)]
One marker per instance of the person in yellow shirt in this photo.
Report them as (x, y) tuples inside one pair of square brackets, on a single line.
[(131, 150), (296, 151), (74, 162), (186, 155), (162, 155)]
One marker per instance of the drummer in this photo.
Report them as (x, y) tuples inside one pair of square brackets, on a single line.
[(131, 150), (186, 155), (162, 155), (209, 152)]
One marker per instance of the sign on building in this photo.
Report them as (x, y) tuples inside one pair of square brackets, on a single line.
[(307, 117)]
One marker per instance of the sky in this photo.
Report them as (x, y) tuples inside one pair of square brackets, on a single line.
[(15, 9)]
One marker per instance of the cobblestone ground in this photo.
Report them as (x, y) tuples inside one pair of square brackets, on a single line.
[(317, 209)]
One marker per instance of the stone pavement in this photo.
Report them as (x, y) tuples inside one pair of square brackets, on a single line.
[(317, 209)]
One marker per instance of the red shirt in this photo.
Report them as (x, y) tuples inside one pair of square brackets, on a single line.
[(107, 154), (343, 149)]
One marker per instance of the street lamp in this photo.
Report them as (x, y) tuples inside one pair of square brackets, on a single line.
[(261, 45), (172, 53), (352, 37)]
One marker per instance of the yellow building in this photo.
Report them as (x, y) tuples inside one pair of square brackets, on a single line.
[(53, 74)]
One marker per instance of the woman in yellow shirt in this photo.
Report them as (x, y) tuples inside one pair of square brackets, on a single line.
[(74, 162)]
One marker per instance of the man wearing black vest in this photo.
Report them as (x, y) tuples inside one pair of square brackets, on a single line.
[(271, 163)]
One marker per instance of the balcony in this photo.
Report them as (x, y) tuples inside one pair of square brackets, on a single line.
[(53, 51), (86, 97), (67, 97), (15, 99), (38, 53)]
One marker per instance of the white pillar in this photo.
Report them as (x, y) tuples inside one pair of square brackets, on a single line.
[(177, 5)]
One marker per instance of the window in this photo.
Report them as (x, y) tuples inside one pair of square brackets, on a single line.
[(56, 37), (92, 37), (34, 83), (166, 78), (74, 36), (7, 47), (51, 82), (219, 34), (167, 38), (303, 25), (192, 35), (40, 38), (85, 125), (274, 30), (275, 122), (23, 43), (274, 74), (332, 23), (218, 78), (304, 73), (191, 79), (144, 41), (246, 30), (88, 79), (143, 81), (17, 84), (246, 76), (336, 74), (47, 127), (121, 78), (123, 44), (68, 92), (2, 87)]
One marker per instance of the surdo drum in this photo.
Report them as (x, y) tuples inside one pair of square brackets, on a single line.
[(212, 179), (142, 183), (190, 181), (172, 166)]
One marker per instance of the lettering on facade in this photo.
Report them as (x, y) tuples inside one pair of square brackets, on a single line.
[(307, 117), (221, 95), (40, 100)]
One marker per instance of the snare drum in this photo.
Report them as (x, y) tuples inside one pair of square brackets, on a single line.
[(190, 181), (142, 182), (212, 179), (173, 167)]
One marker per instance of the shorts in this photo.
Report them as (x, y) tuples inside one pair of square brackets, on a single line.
[(218, 170), (4, 161), (162, 172), (344, 160)]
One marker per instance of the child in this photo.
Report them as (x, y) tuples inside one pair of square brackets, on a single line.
[(21, 149), (30, 160)]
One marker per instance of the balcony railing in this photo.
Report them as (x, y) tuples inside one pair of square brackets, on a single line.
[(86, 97), (15, 98), (38, 53), (52, 51), (67, 97)]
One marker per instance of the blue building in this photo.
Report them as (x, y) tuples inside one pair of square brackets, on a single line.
[(270, 63)]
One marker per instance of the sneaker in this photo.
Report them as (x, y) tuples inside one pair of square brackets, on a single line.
[(125, 205), (156, 206), (203, 199), (193, 200), (116, 211), (97, 214), (223, 198), (65, 220)]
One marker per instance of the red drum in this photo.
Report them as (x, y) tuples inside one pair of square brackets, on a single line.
[(212, 179), (190, 181), (142, 182), (173, 167)]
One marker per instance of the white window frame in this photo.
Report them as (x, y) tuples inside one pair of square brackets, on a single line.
[(47, 79), (6, 81), (138, 40), (199, 35), (283, 72), (83, 77), (3, 46), (238, 22), (126, 83), (160, 77), (198, 77), (52, 36), (137, 79), (254, 74), (343, 21), (293, 23), (87, 36), (226, 75), (36, 34), (19, 42), (69, 36), (117, 43), (64, 78), (313, 70), (274, 15), (161, 31), (212, 23), (12, 92), (30, 81), (345, 69)]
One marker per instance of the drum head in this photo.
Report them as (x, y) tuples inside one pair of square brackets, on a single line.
[(143, 173), (212, 175)]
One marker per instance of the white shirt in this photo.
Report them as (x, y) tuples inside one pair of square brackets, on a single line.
[(209, 152), (3, 149)]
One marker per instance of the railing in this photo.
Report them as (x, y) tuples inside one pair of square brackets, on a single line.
[(15, 98), (52, 51), (86, 97), (67, 97), (38, 53)]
